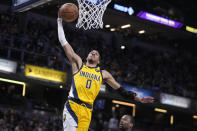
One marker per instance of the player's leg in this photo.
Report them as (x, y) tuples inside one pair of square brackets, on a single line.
[(70, 120), (76, 117), (84, 119), (68, 127)]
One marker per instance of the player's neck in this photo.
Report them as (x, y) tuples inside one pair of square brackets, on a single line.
[(126, 130), (90, 65)]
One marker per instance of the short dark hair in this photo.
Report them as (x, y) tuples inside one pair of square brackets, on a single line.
[(132, 120)]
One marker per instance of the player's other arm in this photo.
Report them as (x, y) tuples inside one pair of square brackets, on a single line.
[(74, 59), (108, 78)]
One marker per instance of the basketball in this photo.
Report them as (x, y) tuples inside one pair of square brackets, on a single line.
[(68, 12)]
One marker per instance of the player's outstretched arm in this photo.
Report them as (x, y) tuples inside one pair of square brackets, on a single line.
[(108, 78), (74, 59)]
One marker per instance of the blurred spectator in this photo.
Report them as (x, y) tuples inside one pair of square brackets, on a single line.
[(12, 120), (113, 123)]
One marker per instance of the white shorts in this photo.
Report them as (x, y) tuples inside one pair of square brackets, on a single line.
[(76, 117)]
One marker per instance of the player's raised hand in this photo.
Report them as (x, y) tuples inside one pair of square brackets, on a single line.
[(144, 99), (147, 99)]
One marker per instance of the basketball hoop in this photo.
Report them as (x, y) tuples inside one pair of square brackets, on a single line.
[(91, 13)]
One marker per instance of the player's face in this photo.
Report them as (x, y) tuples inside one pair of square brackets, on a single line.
[(93, 57), (125, 123)]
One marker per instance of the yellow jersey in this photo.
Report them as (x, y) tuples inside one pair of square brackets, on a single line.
[(86, 84)]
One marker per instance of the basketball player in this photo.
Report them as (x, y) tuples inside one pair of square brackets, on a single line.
[(86, 83), (126, 123)]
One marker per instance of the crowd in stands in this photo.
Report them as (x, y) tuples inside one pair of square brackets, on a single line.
[(36, 43), (16, 119)]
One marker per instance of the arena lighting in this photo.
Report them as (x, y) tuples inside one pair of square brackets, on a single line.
[(141, 92), (191, 29), (123, 103), (24, 5), (177, 101), (122, 47), (194, 116), (15, 82), (8, 66), (112, 29), (171, 119), (117, 105), (159, 19), (133, 113), (107, 26), (54, 58), (126, 104), (124, 9), (125, 26), (160, 110), (93, 1), (141, 32)]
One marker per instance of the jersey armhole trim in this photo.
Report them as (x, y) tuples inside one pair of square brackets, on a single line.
[(78, 70), (101, 75)]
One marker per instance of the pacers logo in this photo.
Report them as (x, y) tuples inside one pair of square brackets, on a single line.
[(64, 118), (97, 70)]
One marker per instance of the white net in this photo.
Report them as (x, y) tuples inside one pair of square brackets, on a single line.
[(91, 13)]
